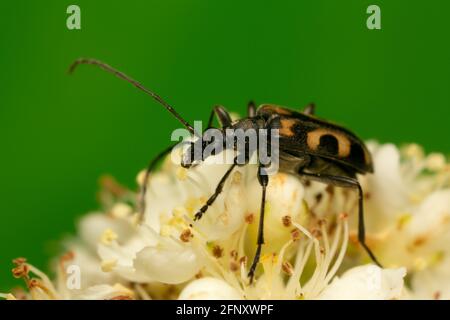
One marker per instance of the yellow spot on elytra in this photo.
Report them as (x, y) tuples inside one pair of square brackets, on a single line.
[(287, 127), (344, 144)]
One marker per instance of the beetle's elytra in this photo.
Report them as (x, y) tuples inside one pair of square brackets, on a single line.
[(305, 133), (309, 147)]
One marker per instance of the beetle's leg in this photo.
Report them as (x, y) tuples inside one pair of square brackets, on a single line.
[(222, 115), (348, 182), (263, 181), (211, 118), (251, 109), (310, 109), (152, 165), (218, 191)]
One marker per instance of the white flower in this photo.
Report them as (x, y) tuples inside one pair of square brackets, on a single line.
[(310, 249), (408, 215), (40, 287), (432, 282), (170, 247), (209, 289), (366, 283)]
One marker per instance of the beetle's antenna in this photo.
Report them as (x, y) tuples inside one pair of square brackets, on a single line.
[(123, 76)]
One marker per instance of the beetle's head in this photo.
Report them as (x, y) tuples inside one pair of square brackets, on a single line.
[(211, 143), (193, 155)]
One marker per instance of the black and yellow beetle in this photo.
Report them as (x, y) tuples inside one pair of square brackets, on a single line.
[(309, 147)]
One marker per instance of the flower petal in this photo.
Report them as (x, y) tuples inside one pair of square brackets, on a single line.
[(209, 289), (366, 283), (168, 263)]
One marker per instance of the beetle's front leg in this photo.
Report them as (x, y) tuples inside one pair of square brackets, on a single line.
[(218, 191), (222, 115)]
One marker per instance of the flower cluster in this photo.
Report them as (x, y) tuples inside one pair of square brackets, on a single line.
[(311, 249)]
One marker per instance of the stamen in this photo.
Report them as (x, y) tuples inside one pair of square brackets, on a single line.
[(344, 245), (287, 268), (108, 237), (250, 218), (186, 235), (294, 286), (217, 251), (287, 221), (45, 280)]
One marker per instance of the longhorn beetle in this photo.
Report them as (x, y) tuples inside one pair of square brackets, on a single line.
[(309, 147)]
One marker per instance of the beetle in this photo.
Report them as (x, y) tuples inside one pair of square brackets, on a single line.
[(309, 147)]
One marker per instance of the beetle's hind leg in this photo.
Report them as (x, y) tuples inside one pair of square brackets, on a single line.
[(347, 182)]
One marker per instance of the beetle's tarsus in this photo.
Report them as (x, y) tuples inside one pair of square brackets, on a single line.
[(371, 254), (198, 216)]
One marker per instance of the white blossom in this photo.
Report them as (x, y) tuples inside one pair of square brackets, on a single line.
[(209, 289), (310, 251), (366, 283)]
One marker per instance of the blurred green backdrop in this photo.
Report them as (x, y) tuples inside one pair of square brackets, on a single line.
[(60, 133)]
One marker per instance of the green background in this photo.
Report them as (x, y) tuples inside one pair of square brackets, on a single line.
[(60, 133)]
